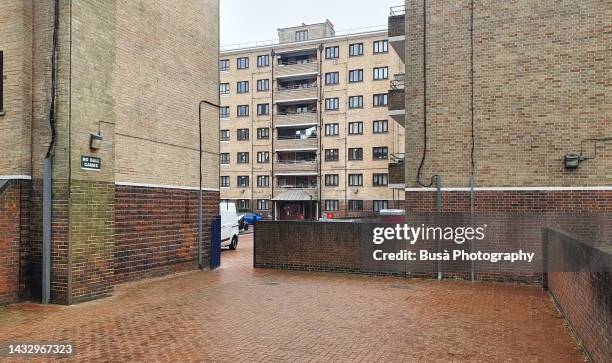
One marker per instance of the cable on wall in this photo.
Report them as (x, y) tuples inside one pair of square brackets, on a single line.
[(424, 155)]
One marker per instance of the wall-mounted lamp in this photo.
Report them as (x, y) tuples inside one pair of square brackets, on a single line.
[(573, 160), (95, 141)]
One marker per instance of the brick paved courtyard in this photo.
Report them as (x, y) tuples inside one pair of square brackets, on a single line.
[(236, 313)]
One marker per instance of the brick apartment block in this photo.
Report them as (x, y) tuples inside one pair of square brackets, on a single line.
[(133, 73), (333, 89)]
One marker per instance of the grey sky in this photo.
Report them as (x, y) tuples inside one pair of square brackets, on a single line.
[(244, 21)]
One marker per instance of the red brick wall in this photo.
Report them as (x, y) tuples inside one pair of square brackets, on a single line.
[(10, 216), (156, 231), (330, 246), (586, 301)]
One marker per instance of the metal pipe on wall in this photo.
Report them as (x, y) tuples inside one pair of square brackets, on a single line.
[(200, 191)]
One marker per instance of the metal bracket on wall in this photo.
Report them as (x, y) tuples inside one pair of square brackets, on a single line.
[(3, 185)]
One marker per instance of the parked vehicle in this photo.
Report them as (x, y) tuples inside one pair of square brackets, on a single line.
[(250, 218), (229, 225)]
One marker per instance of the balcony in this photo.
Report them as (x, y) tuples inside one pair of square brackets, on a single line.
[(295, 119), (296, 143), (397, 99), (296, 69), (296, 94), (296, 167), (397, 30), (397, 172)]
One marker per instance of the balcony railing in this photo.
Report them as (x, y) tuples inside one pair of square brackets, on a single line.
[(397, 21), (295, 166), (299, 118), (285, 70), (296, 92), (397, 169), (296, 143)]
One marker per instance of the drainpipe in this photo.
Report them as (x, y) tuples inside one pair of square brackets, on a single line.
[(200, 192), (48, 168), (438, 181)]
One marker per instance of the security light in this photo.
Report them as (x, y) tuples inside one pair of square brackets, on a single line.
[(95, 141), (572, 161)]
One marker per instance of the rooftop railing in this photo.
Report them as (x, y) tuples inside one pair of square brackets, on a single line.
[(273, 42), (397, 10)]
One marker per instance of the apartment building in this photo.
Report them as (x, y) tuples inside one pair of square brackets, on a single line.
[(305, 130), (107, 190)]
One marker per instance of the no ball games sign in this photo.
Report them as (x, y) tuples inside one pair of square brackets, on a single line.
[(90, 163)]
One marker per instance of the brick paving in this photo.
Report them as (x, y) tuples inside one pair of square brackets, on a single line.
[(236, 313)]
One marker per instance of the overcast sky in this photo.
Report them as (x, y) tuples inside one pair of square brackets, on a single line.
[(244, 21)]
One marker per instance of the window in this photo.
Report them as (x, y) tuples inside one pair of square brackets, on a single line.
[(380, 180), (380, 127), (356, 128), (355, 49), (243, 134), (380, 100), (381, 46), (355, 205), (381, 73), (355, 102), (332, 104), (243, 204), (224, 135), (242, 63), (243, 110), (355, 180), (263, 85), (224, 65), (301, 35), (263, 204), (263, 109), (224, 181), (331, 180), (263, 181), (332, 78), (379, 204), (263, 133), (380, 152), (243, 158), (331, 205), (332, 129), (356, 75), (224, 89), (332, 155), (263, 157), (355, 153), (242, 87), (224, 158), (332, 52), (263, 60), (243, 181), (224, 112)]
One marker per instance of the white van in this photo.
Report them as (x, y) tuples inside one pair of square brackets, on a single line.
[(229, 225)]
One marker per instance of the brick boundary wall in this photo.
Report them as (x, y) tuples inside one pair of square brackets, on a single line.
[(10, 238), (156, 231), (308, 246), (337, 247)]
